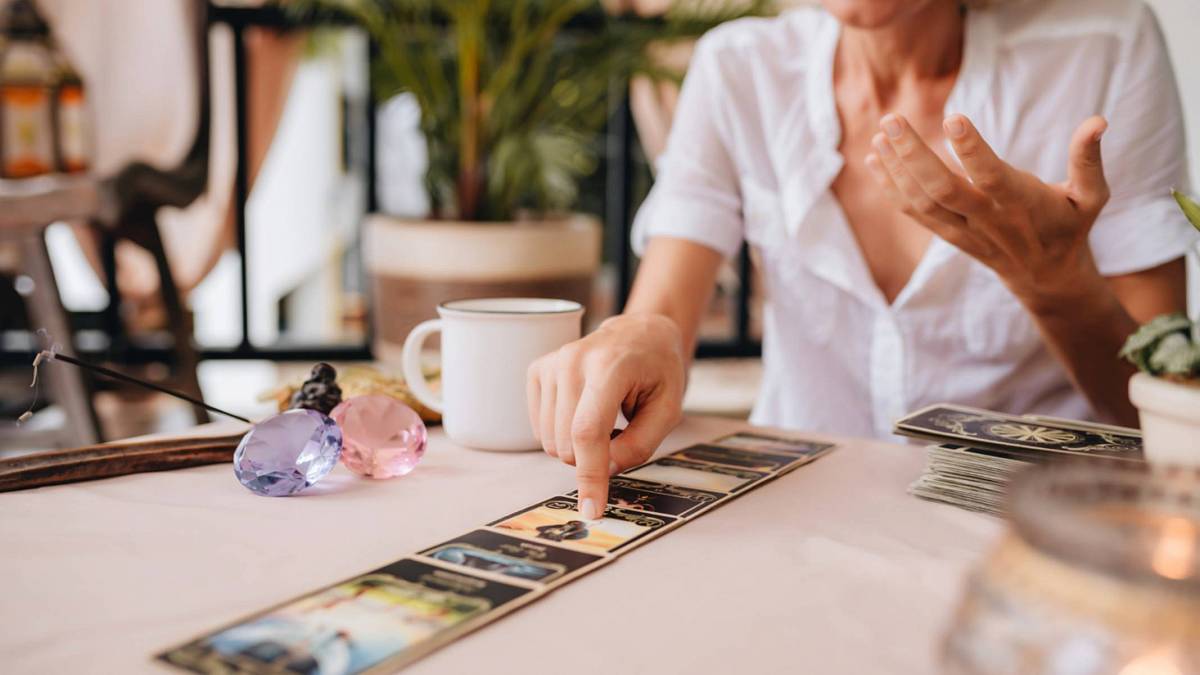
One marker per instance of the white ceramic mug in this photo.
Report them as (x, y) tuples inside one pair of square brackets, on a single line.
[(487, 345)]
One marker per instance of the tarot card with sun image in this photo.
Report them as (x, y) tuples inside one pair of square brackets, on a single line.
[(558, 521), (744, 459), (643, 495), (696, 475), (986, 429), (758, 441), (395, 612)]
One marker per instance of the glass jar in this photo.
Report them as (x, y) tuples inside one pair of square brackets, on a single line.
[(71, 128), (1099, 572), (27, 80)]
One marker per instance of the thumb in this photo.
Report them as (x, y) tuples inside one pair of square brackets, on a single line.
[(647, 428), (1085, 170)]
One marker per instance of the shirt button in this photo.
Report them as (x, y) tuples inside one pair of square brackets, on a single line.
[(886, 372)]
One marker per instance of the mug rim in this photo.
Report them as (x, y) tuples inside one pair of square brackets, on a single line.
[(568, 307)]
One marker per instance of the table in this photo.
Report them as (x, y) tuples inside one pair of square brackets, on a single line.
[(832, 568)]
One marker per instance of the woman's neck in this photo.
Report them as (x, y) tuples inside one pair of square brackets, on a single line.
[(912, 49)]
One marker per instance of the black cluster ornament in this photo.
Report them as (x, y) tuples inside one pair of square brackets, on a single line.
[(320, 391)]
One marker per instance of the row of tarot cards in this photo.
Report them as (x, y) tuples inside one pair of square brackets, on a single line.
[(979, 451), (386, 618)]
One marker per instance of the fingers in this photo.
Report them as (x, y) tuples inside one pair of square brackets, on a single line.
[(928, 171), (590, 435), (955, 234), (654, 420), (549, 384), (914, 200), (568, 387), (533, 397), (883, 180), (633, 361), (987, 171), (1085, 170)]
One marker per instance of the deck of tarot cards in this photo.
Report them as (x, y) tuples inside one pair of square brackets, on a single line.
[(977, 452)]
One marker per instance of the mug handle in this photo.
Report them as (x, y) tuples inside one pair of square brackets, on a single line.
[(410, 361)]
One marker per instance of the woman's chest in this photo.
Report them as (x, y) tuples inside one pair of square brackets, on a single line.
[(827, 297), (892, 244)]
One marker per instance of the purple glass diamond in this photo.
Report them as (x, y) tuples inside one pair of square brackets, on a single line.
[(284, 454)]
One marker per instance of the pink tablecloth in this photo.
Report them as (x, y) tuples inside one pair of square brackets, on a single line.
[(832, 568)]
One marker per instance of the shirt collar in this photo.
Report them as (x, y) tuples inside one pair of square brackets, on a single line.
[(826, 244), (969, 96)]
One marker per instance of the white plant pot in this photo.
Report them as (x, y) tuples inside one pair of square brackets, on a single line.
[(1170, 416), (415, 265)]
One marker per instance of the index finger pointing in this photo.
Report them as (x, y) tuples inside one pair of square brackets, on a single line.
[(591, 431)]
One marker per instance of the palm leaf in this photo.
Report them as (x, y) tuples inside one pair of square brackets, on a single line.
[(513, 95)]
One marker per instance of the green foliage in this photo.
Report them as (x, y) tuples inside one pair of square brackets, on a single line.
[(1176, 354), (513, 94), (1190, 208), (1167, 345)]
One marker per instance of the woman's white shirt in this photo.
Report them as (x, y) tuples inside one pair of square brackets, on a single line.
[(753, 152)]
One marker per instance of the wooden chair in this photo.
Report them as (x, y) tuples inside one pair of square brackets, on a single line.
[(136, 194), (27, 208), (124, 206)]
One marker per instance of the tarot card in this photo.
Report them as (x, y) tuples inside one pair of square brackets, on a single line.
[(1083, 424), (989, 456), (696, 475), (982, 428), (558, 521), (518, 558), (745, 459), (761, 442), (640, 495), (393, 614)]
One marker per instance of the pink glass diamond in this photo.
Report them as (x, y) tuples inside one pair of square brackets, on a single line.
[(381, 437)]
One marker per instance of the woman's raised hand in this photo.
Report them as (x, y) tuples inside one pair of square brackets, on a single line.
[(633, 363), (1034, 235)]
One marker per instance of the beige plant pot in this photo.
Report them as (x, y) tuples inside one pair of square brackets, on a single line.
[(1170, 416), (416, 265)]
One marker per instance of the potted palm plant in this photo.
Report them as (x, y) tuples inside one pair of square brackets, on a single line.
[(1167, 390), (513, 97)]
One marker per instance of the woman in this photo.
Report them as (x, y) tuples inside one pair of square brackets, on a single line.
[(923, 184)]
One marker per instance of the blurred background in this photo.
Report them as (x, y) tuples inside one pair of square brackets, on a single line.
[(215, 195)]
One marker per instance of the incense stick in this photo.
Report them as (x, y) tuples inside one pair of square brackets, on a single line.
[(49, 355)]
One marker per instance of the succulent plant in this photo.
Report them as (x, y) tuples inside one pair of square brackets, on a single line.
[(1169, 345)]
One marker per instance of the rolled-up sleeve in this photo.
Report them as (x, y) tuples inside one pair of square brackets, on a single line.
[(1145, 156), (695, 195)]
